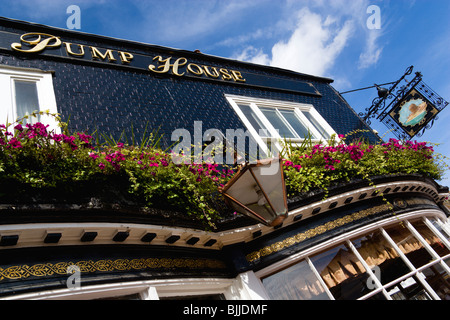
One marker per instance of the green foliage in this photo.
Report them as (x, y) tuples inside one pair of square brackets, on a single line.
[(318, 166), (33, 157)]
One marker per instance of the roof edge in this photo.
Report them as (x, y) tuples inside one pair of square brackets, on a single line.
[(26, 24)]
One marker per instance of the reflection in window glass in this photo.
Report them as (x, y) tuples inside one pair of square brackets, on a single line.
[(439, 280), (26, 100), (342, 272), (409, 289), (447, 261), (431, 238), (346, 278), (296, 124), (254, 120), (409, 245), (316, 125), (278, 123), (297, 282), (437, 225), (376, 251)]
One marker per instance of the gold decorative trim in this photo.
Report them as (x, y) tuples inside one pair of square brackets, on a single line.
[(300, 237), (89, 266)]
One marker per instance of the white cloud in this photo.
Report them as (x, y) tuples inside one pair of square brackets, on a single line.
[(372, 51), (312, 48), (314, 45), (251, 54), (314, 34), (341, 84)]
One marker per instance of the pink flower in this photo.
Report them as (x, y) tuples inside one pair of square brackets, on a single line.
[(93, 155), (37, 129), (101, 166), (119, 156), (164, 162), (14, 143), (57, 137), (70, 141)]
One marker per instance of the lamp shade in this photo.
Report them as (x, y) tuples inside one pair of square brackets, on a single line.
[(258, 190)]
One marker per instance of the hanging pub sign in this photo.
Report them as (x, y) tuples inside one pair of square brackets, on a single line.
[(406, 109), (413, 112)]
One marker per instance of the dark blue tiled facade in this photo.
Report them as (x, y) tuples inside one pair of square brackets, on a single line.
[(112, 98)]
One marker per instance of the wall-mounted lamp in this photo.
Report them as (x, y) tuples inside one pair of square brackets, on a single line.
[(258, 190)]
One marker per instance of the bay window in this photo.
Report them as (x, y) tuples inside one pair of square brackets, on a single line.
[(397, 260)]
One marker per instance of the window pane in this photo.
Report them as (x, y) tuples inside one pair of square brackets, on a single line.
[(26, 99), (316, 124), (409, 245), (343, 273), (409, 289), (254, 120), (296, 124), (278, 123), (439, 280), (297, 282), (430, 237), (437, 225), (376, 251)]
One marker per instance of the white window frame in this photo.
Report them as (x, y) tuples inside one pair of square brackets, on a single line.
[(46, 94), (345, 238), (256, 103)]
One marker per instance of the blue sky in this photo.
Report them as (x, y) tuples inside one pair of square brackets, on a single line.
[(322, 37)]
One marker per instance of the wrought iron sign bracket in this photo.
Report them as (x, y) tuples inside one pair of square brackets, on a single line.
[(380, 101), (408, 110)]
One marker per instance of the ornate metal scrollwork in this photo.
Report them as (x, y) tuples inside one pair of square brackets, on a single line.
[(379, 103), (389, 100)]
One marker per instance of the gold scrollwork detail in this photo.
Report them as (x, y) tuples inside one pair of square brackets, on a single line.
[(89, 266), (300, 237)]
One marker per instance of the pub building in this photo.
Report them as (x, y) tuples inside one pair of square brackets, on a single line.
[(348, 245)]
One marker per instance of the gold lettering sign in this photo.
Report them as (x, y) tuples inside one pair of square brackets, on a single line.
[(166, 66), (38, 42), (96, 54), (125, 57), (69, 50)]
